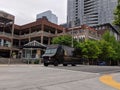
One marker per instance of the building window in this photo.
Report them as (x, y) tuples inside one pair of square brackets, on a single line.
[(80, 31), (0, 42), (76, 11), (99, 28), (76, 0), (103, 27), (76, 6)]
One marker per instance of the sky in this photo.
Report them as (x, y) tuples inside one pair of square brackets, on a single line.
[(25, 11)]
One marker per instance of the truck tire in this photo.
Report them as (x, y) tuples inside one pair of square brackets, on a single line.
[(46, 64), (56, 63), (64, 64)]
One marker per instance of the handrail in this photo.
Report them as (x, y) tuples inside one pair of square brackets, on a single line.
[(4, 33), (33, 34), (27, 35)]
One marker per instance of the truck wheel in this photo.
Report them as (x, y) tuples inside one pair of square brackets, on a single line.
[(64, 64), (73, 64), (56, 63), (46, 64)]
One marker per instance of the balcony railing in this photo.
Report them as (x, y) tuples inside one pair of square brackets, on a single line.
[(6, 34), (94, 36), (28, 35), (34, 34)]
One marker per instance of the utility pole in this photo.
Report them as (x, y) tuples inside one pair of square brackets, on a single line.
[(72, 27), (11, 47), (72, 32)]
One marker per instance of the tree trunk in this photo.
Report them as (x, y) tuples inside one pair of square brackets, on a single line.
[(110, 62), (92, 61), (118, 62), (88, 62)]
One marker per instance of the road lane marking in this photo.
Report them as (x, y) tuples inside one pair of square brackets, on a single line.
[(108, 80)]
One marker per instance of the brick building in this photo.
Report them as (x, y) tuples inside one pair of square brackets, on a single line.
[(83, 32), (14, 37), (6, 33)]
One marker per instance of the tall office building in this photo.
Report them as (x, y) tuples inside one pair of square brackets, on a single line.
[(90, 12), (49, 15)]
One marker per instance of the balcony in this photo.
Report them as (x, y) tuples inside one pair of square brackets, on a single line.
[(8, 35), (15, 48), (34, 34), (93, 36), (8, 47), (4, 47)]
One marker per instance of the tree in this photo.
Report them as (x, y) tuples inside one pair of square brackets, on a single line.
[(108, 51), (109, 38), (117, 14), (117, 49), (90, 50), (64, 40), (108, 46)]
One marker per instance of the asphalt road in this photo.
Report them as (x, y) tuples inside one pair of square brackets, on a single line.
[(91, 69)]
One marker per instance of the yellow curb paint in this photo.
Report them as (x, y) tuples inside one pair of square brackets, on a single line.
[(108, 80)]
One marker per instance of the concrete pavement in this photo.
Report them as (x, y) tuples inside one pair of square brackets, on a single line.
[(92, 68), (37, 77)]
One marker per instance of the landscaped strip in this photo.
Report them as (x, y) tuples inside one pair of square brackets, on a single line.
[(108, 80)]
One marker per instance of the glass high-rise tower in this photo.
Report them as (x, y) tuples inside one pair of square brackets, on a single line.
[(90, 12)]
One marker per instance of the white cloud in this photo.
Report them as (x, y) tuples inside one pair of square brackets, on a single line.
[(25, 11)]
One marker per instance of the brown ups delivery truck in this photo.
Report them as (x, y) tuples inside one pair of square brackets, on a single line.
[(60, 54)]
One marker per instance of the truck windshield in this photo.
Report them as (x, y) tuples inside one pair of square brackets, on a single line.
[(50, 51)]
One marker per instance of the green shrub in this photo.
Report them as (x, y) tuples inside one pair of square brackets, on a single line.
[(36, 61)]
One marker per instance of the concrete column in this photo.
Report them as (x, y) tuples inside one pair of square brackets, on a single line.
[(19, 43), (49, 40), (29, 34), (42, 28), (4, 29), (25, 54), (49, 32), (2, 42), (19, 40), (11, 50), (64, 31), (56, 32), (38, 54), (42, 39)]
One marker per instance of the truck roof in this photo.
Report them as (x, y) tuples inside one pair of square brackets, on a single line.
[(68, 50), (53, 46)]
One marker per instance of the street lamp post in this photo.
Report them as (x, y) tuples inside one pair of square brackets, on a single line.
[(11, 47), (72, 32), (72, 37)]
